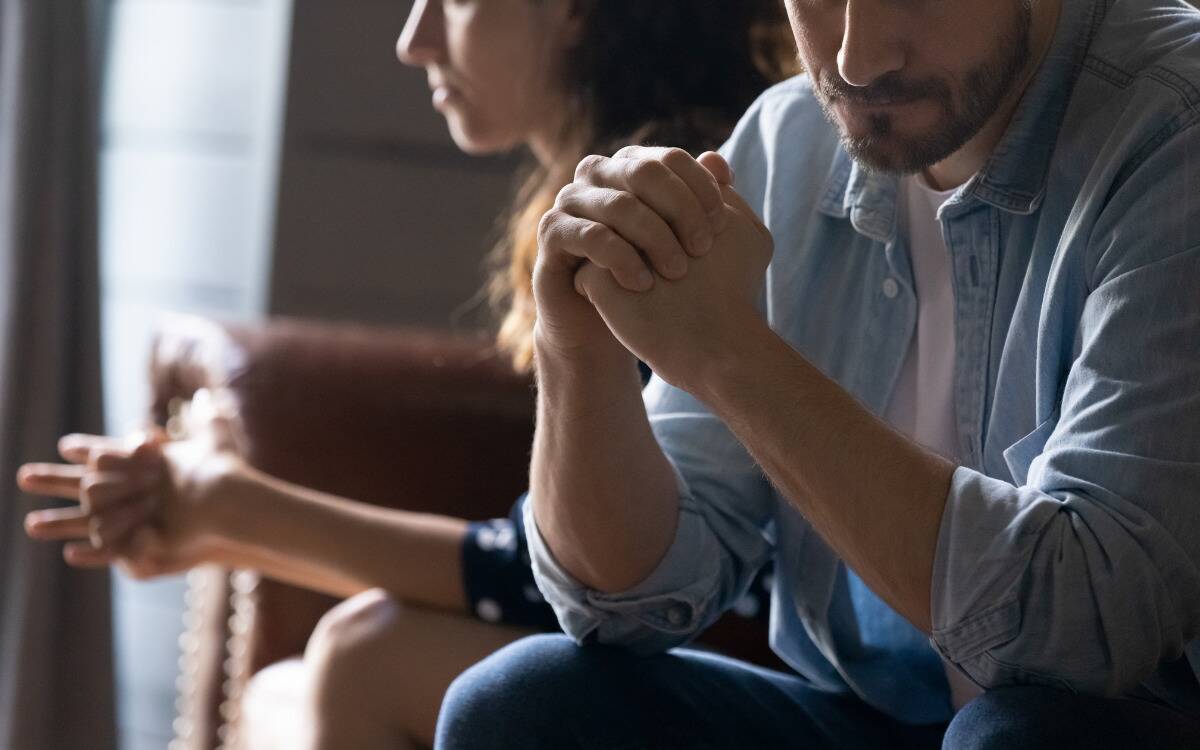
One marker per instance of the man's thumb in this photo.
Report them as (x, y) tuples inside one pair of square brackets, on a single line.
[(717, 166)]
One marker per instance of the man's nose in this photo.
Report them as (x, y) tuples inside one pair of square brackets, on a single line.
[(423, 40), (870, 48)]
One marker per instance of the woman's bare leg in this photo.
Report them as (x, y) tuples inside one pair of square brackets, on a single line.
[(376, 670)]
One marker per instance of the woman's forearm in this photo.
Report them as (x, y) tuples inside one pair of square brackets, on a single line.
[(285, 568), (341, 546)]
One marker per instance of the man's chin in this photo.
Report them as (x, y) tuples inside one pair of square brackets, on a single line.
[(888, 158), (875, 145), (901, 139), (896, 154)]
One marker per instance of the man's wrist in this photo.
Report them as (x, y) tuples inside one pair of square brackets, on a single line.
[(727, 356), (600, 352)]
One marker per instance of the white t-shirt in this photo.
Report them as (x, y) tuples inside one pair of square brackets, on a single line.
[(922, 405)]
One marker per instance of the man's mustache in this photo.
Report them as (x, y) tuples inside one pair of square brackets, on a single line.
[(888, 89)]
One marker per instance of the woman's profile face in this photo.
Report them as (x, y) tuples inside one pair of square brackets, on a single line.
[(494, 67)]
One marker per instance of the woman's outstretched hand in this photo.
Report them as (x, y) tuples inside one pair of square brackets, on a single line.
[(146, 503)]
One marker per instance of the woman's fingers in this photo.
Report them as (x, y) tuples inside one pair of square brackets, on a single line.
[(105, 530), (99, 491), (57, 524), (107, 460), (139, 553), (51, 480), (110, 530), (78, 447), (143, 555), (84, 555)]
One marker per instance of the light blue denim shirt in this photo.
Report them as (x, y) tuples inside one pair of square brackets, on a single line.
[(1069, 550)]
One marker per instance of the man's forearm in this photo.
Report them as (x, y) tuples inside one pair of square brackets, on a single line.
[(342, 546), (604, 496), (873, 495)]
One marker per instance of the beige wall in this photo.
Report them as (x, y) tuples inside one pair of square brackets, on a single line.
[(380, 218)]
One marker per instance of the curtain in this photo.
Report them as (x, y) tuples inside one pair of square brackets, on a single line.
[(56, 681)]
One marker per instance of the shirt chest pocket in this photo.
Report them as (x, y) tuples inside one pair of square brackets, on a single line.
[(1020, 455)]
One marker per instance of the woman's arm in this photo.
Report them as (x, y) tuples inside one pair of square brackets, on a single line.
[(285, 569), (161, 508), (336, 545)]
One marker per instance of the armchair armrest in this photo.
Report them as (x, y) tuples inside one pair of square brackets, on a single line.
[(446, 415)]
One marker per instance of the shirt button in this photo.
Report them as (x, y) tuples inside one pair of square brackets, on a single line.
[(489, 610), (890, 288), (677, 616)]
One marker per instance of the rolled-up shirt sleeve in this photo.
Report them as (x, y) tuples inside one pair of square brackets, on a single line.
[(1084, 572), (721, 539)]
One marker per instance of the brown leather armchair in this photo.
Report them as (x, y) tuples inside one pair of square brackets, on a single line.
[(344, 409)]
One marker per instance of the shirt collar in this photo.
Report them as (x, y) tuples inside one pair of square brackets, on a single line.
[(1014, 177)]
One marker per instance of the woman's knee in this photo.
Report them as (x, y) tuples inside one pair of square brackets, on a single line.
[(350, 638)]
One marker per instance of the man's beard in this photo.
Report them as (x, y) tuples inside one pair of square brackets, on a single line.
[(983, 90)]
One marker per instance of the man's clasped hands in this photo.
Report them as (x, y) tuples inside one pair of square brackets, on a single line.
[(650, 253)]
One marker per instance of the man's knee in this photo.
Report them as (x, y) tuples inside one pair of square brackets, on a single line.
[(538, 692), (348, 638), (1042, 718), (1024, 717)]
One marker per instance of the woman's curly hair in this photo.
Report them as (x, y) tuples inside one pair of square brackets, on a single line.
[(666, 72)]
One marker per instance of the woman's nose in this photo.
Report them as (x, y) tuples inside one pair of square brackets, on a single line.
[(423, 40)]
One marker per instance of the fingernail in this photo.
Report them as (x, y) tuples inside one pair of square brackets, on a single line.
[(645, 280), (702, 243), (677, 267)]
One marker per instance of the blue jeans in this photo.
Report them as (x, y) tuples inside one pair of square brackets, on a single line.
[(546, 692)]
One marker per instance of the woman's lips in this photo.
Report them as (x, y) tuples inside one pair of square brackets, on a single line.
[(444, 96)]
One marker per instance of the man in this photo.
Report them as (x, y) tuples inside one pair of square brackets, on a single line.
[(963, 411)]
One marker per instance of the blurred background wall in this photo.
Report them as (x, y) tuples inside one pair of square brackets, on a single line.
[(380, 218), (267, 156)]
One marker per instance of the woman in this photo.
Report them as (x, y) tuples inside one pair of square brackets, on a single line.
[(563, 78)]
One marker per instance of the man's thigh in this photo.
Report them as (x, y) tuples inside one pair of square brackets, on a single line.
[(546, 692), (1041, 718)]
